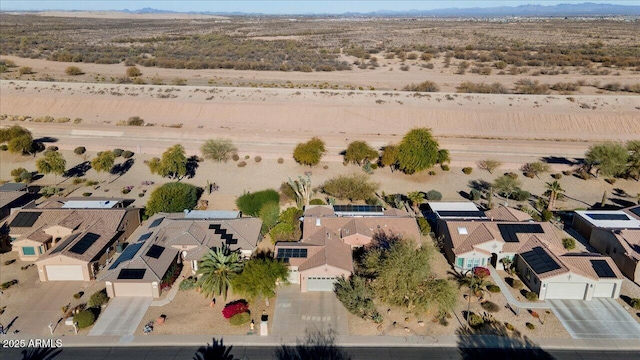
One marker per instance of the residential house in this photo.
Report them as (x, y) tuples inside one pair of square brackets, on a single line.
[(584, 221), (12, 195), (177, 238)]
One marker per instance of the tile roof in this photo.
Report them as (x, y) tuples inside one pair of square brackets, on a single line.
[(332, 251), (630, 241), (504, 213), (319, 210), (345, 226), (581, 263), (8, 197), (535, 243)]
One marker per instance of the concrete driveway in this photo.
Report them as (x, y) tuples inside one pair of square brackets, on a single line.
[(44, 305), (298, 312), (121, 317), (598, 318)]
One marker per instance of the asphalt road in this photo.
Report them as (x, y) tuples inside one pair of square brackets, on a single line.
[(259, 353)]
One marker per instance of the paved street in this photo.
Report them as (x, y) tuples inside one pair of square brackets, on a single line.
[(296, 312), (122, 316), (598, 318)]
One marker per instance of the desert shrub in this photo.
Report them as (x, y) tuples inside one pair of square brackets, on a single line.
[(135, 121), (445, 167), (309, 153), (258, 159), (91, 183), (117, 152), (251, 203), (526, 86), (521, 195), (86, 194), (73, 71), (4, 147), (352, 187), (424, 226), (80, 150), (78, 295), (317, 202), (475, 194), (173, 197), (467, 170), (433, 195), (25, 70), (427, 86), (515, 283), (63, 120), (235, 308), (565, 86), (133, 72), (635, 303), (475, 320), (127, 154), (240, 319), (8, 284), (482, 88), (546, 215), (493, 288), (531, 296), (242, 164), (280, 160), (98, 298), (490, 306), (610, 181), (557, 176), (84, 318), (509, 326), (530, 326), (569, 243), (511, 175)]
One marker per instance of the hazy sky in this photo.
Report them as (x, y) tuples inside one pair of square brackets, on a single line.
[(278, 7)]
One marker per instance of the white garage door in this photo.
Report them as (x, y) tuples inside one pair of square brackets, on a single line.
[(132, 289), (604, 290), (320, 283), (64, 272), (294, 276), (566, 291)]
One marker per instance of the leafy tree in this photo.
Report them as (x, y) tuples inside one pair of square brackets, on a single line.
[(356, 296), (103, 162), (353, 187), (172, 197), (18, 175), (52, 163), (535, 168), (218, 149), (251, 203), (633, 166), (259, 276), (416, 198), (390, 156), (269, 214), (554, 192), (359, 152), (18, 139), (216, 270), (417, 151), (489, 165), (288, 226), (610, 159), (309, 153), (506, 186), (173, 163)]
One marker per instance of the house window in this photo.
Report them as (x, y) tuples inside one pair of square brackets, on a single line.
[(28, 250), (471, 263), (460, 262)]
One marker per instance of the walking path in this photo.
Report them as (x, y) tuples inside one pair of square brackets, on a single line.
[(174, 289), (504, 288)]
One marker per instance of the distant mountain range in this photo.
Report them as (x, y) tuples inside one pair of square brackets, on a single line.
[(560, 10)]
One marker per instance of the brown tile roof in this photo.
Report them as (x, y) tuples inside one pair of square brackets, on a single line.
[(504, 213), (38, 235), (366, 226), (630, 240), (332, 251), (7, 197), (582, 264), (319, 210)]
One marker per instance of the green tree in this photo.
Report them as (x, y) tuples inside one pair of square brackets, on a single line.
[(216, 270), (416, 198), (18, 139), (609, 159), (355, 295), (259, 276), (310, 153), (172, 197), (269, 214), (288, 226), (490, 165), (633, 166), (173, 163), (554, 192), (353, 187), (103, 162), (390, 156), (506, 186), (218, 149), (359, 152), (417, 151), (251, 203), (52, 163)]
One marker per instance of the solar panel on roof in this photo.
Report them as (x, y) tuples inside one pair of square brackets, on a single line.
[(131, 274), (540, 261), (144, 237), (603, 269), (292, 253), (155, 251), (358, 208), (64, 244), (509, 231), (608, 216), (84, 243), (25, 219), (156, 222), (462, 214), (128, 254), (214, 226), (231, 241)]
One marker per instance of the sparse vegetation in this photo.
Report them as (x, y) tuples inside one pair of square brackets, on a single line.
[(490, 165), (219, 149), (569, 243), (74, 71), (353, 187)]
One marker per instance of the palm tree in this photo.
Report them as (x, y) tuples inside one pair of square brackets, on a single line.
[(216, 269), (554, 192), (416, 198)]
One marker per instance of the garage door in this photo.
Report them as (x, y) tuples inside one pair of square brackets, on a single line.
[(132, 289), (320, 283), (604, 290), (64, 272), (566, 291)]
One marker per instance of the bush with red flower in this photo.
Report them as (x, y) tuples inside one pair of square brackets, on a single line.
[(234, 308), (481, 272)]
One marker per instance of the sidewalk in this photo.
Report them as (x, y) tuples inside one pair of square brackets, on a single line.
[(186, 272), (504, 288)]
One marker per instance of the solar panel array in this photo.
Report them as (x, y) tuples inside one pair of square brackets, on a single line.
[(128, 254), (131, 274), (612, 216), (540, 261), (156, 222), (84, 243), (64, 244), (509, 231), (155, 251), (358, 208), (228, 238), (602, 269), (25, 219), (144, 237), (292, 253), (459, 213)]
